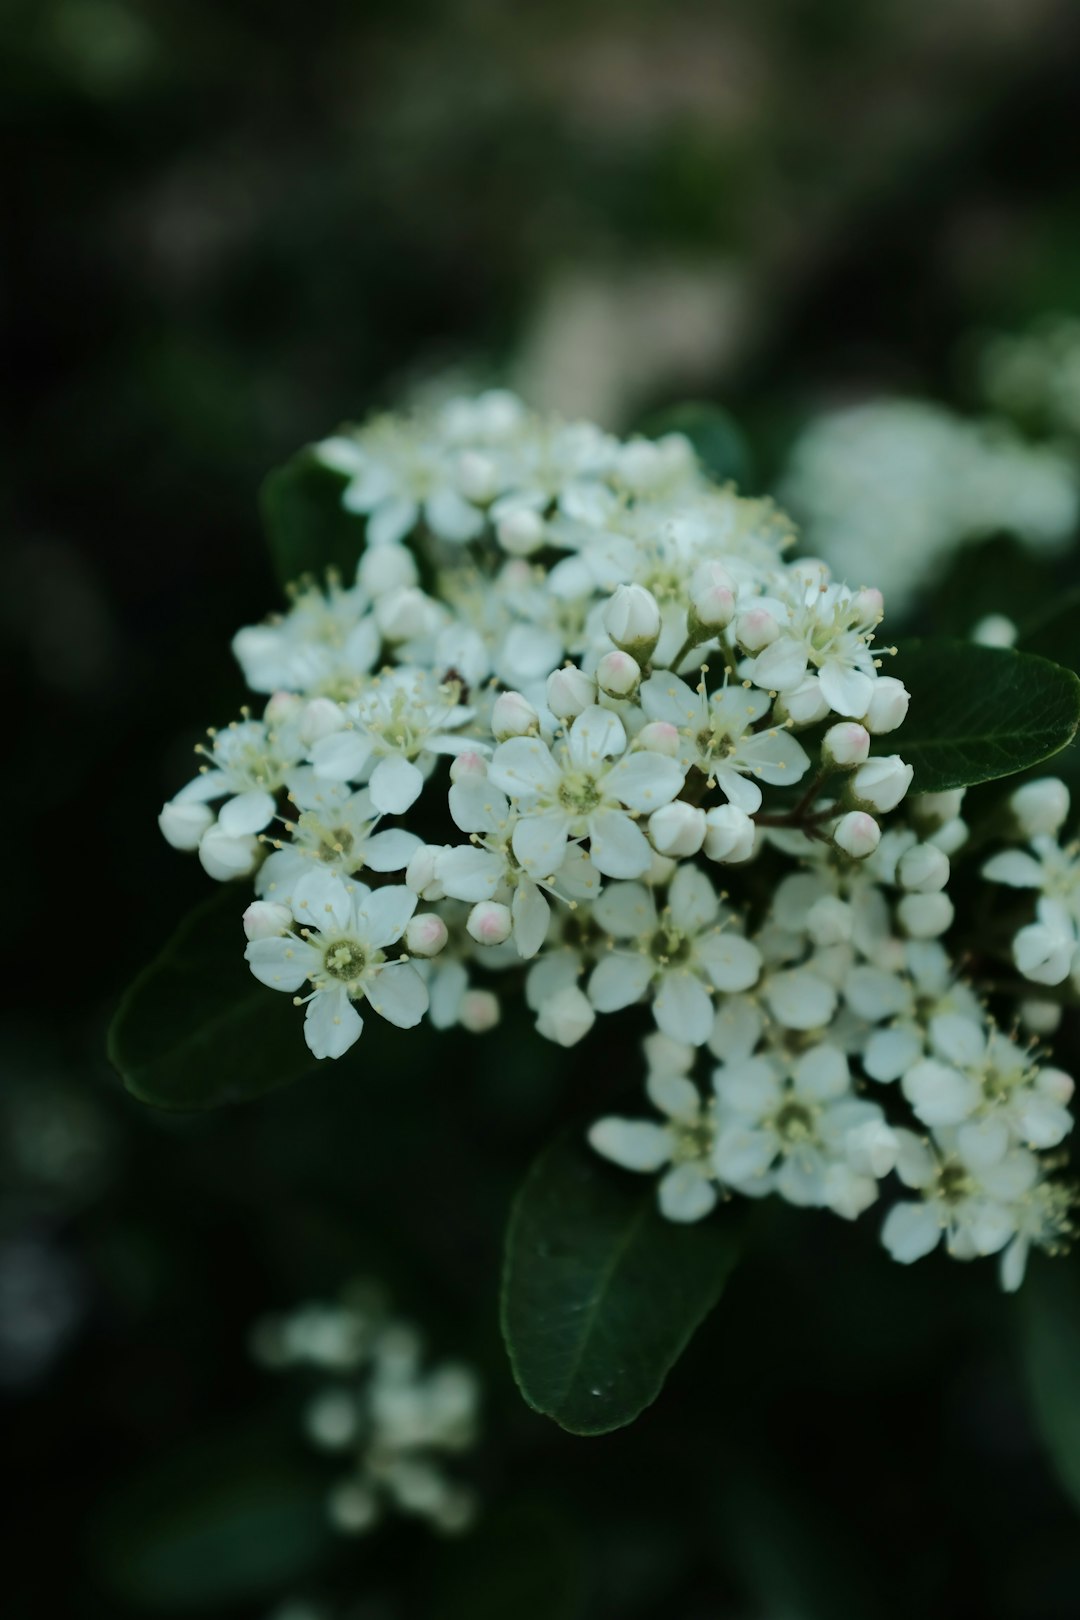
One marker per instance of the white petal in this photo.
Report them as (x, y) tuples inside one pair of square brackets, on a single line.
[(450, 515), (890, 1053), (731, 962), (281, 963), (846, 690), (247, 813), (683, 1009), (399, 994), (1017, 869), (626, 911), (983, 1143), (524, 768), (321, 900), (940, 1094), (910, 1231), (750, 1087), (476, 805), (596, 734), (874, 994), (617, 847), (618, 980), (391, 850), (741, 1155), (666, 697), (692, 899), (386, 912), (539, 843), (467, 873), (686, 1193), (744, 794), (773, 756), (800, 1000), (644, 781), (395, 785), (957, 1039), (331, 1023), (531, 915), (342, 756), (821, 1073), (391, 521), (635, 1144), (674, 1095), (780, 667)]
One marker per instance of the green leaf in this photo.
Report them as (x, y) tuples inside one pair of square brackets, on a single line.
[(307, 527), (978, 713), (195, 1029), (1050, 1301), (601, 1294), (720, 446), (220, 1522), (525, 1559)]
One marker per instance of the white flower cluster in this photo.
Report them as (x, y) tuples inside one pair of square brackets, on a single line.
[(578, 715), (897, 487), (376, 1404), (1035, 375)]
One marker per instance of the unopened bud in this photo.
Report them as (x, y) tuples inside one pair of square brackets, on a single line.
[(845, 745), (857, 834), (184, 824), (830, 921), (923, 869), (729, 834), (995, 630), (512, 715), (756, 629), (490, 923), (386, 568), (869, 604), (321, 717), (521, 532), (466, 764), (659, 737), (282, 707), (1040, 807), (677, 828), (881, 783), (421, 874), (479, 1011), (478, 477), (224, 857), (712, 598), (406, 613), (618, 675), (265, 919), (889, 703), (425, 934), (925, 916), (632, 620), (570, 692)]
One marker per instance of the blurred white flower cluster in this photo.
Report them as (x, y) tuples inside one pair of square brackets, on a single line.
[(1035, 375), (578, 722), (375, 1404), (894, 488)]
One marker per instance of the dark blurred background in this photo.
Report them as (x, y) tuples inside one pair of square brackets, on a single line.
[(230, 226)]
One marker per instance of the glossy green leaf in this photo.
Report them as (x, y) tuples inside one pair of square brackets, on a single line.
[(978, 713), (1050, 1301), (195, 1029), (307, 528), (601, 1294), (715, 436)]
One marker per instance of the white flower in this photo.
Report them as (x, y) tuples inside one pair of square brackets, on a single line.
[(584, 787), (717, 737), (975, 1213), (336, 828), (342, 953), (829, 628), (397, 477), (881, 783), (857, 834), (686, 1191)]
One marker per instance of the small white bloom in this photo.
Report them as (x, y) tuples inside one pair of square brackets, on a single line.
[(426, 934), (632, 620), (730, 834), (570, 692), (678, 828), (1040, 807), (857, 834), (512, 715), (881, 783), (263, 920)]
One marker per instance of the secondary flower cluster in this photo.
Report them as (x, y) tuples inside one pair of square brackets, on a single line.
[(578, 715), (375, 1404)]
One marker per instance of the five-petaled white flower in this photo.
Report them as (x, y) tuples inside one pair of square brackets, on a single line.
[(716, 734)]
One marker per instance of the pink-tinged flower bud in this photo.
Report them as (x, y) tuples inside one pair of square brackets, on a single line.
[(521, 531), (857, 834), (925, 916), (224, 857), (282, 707), (756, 629), (880, 784), (618, 675), (729, 834), (830, 921), (1055, 1083), (1040, 807), (512, 715), (479, 1011), (677, 828), (889, 704), (321, 718), (183, 825), (923, 869), (712, 598), (570, 692), (421, 874), (807, 705), (659, 737), (469, 763), (425, 934), (869, 604), (490, 923), (478, 477), (632, 620), (566, 1017), (845, 745), (265, 919), (405, 614), (387, 568)]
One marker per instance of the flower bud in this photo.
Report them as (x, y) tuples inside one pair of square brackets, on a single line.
[(659, 737), (632, 620), (1043, 954), (935, 809), (479, 1011), (881, 783), (224, 857), (923, 869), (845, 745), (386, 568), (995, 630), (421, 874), (729, 834), (282, 707), (805, 706), (321, 718), (1040, 807), (756, 629), (1040, 1017), (521, 532), (184, 823), (490, 923), (951, 837), (661, 870), (888, 705), (618, 675), (857, 834), (677, 828), (925, 916), (830, 921), (512, 715), (478, 477), (566, 1017), (425, 934), (570, 692), (265, 919), (869, 604), (469, 763), (1056, 1083), (406, 613), (712, 598)]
